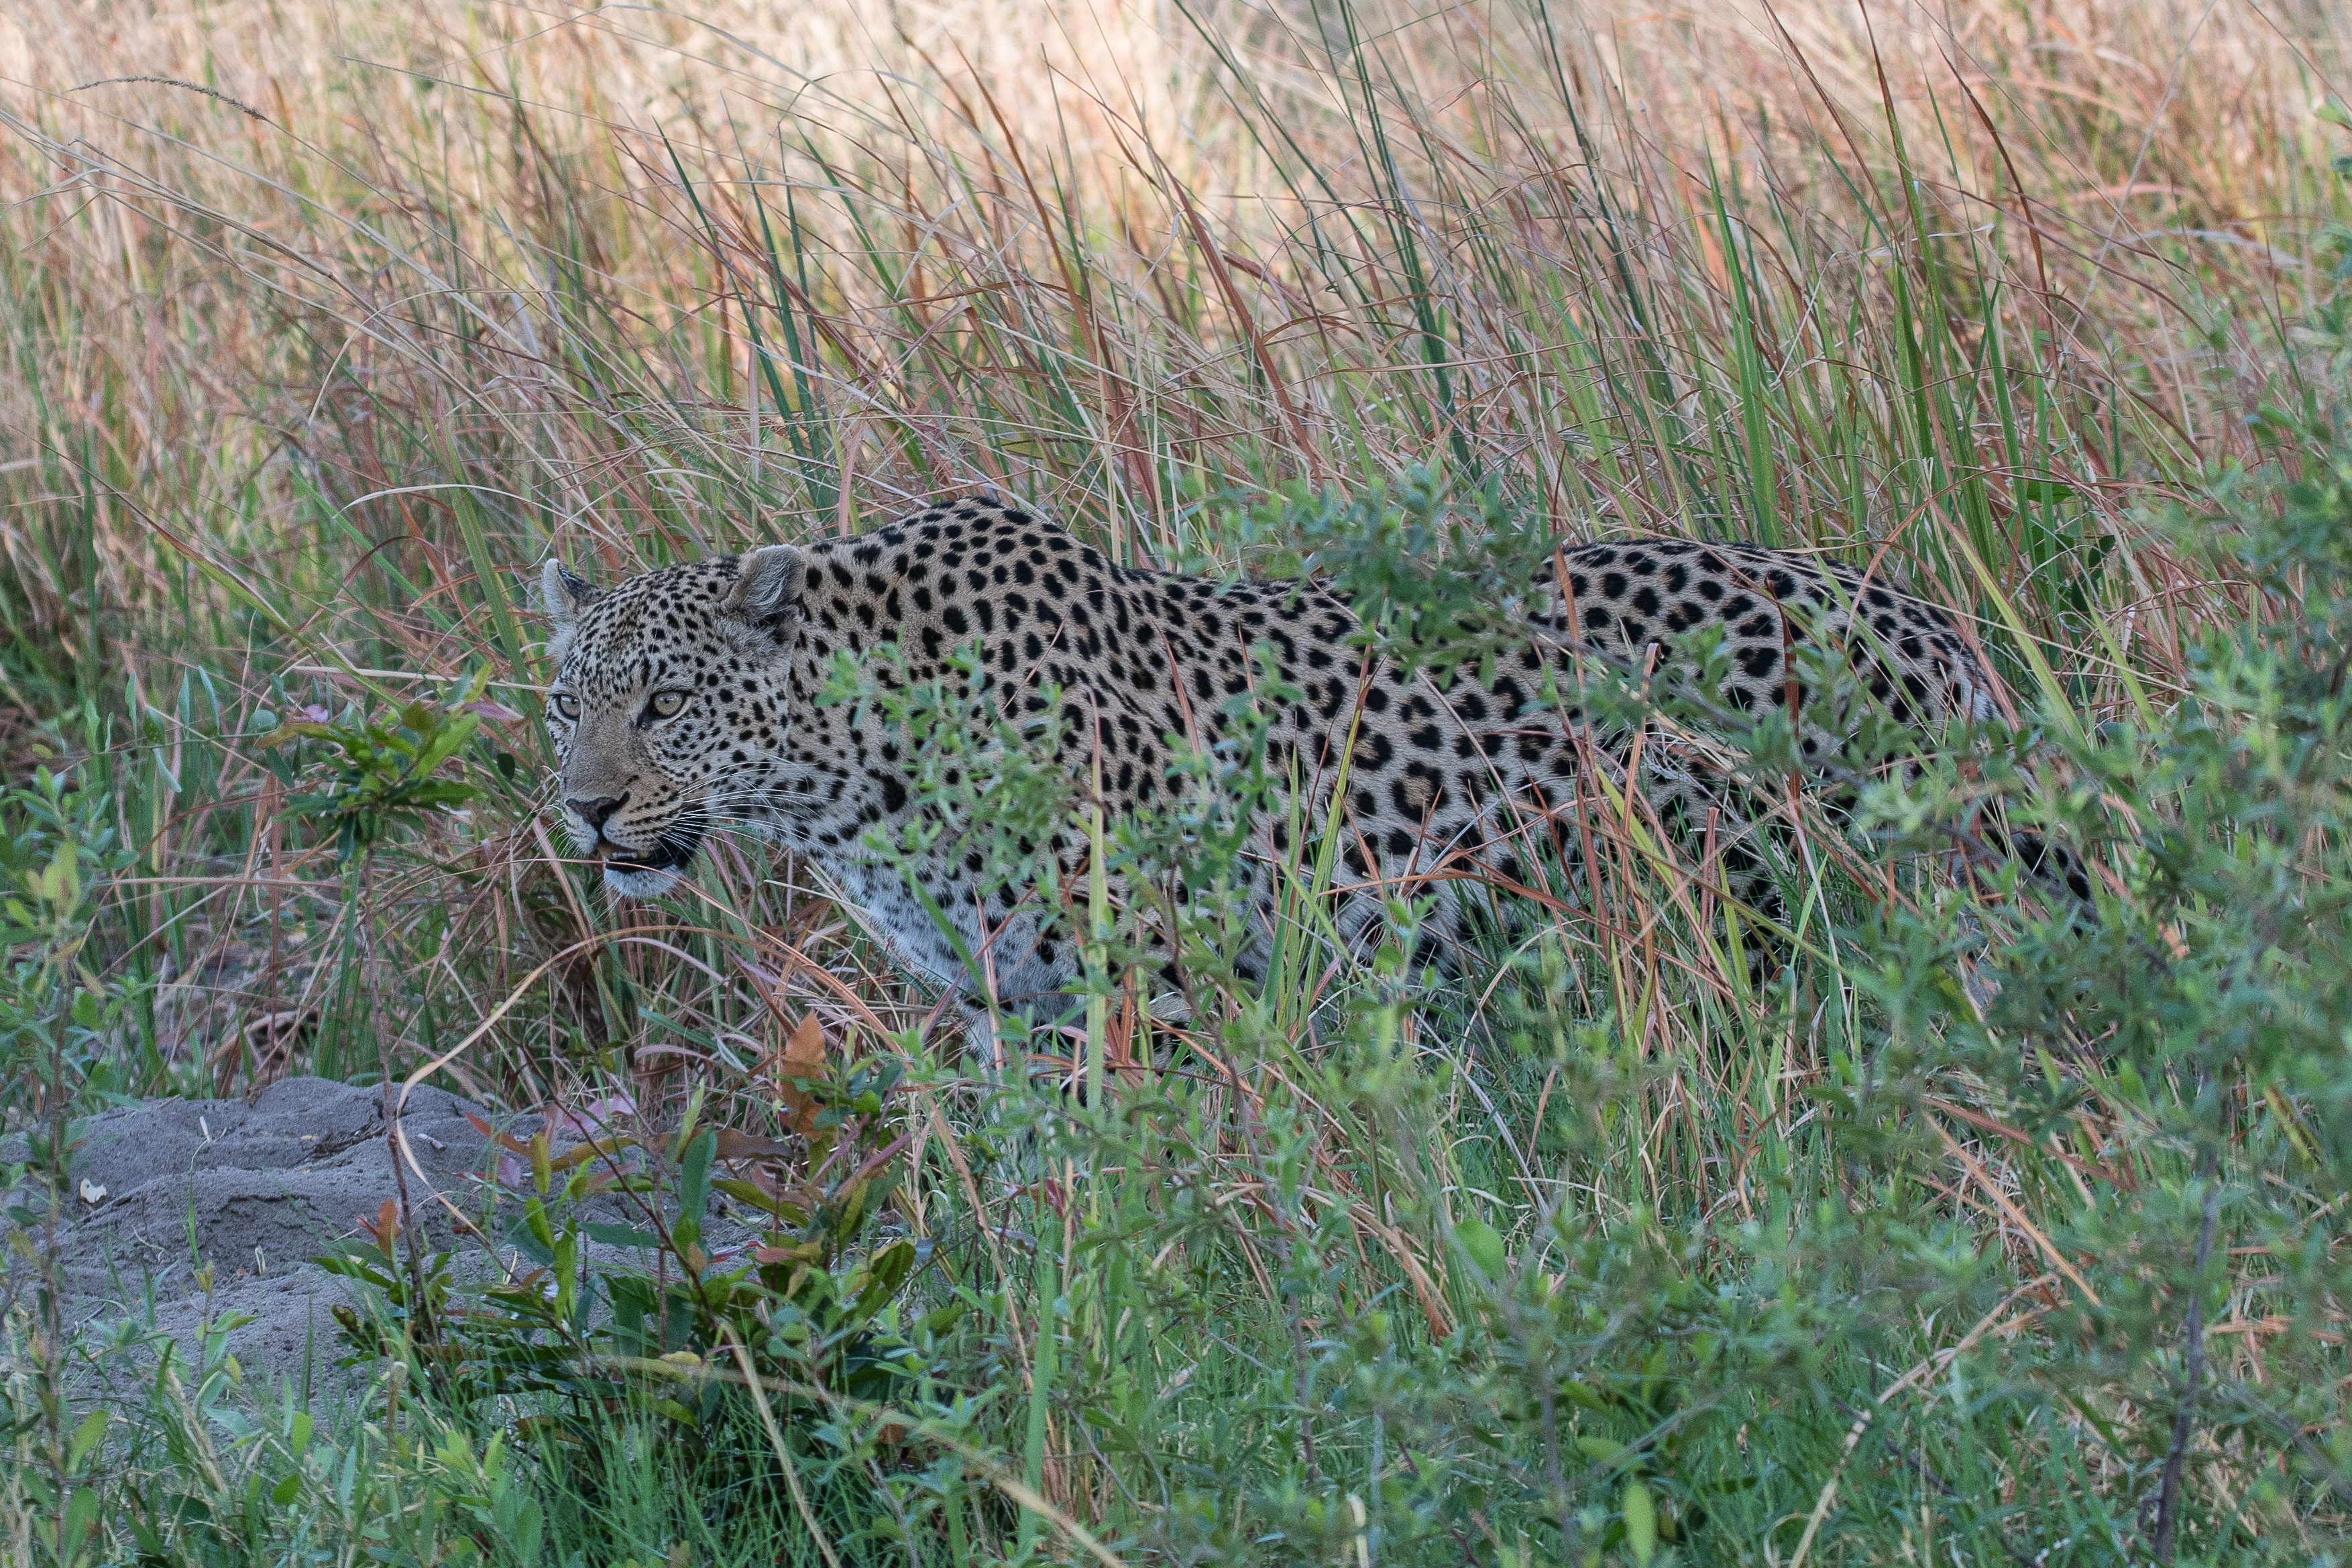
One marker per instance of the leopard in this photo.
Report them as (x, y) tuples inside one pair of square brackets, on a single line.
[(698, 698)]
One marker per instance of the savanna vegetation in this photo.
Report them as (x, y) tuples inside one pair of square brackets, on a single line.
[(1962, 1228)]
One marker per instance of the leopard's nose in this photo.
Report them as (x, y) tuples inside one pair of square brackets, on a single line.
[(596, 812)]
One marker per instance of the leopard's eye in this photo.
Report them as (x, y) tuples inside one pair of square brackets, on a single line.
[(567, 706), (666, 704)]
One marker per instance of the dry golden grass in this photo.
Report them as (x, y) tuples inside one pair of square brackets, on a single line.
[(1233, 234)]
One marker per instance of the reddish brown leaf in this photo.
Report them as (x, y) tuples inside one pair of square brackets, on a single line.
[(506, 1140), (803, 1059), (737, 1144)]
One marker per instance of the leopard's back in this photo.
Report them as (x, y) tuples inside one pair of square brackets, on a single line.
[(1428, 784)]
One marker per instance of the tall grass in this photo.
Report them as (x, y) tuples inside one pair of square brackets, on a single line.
[(313, 354), (326, 324)]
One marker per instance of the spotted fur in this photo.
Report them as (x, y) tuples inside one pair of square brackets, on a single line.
[(687, 701)]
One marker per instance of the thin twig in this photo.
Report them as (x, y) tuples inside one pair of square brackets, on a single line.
[(2167, 1495)]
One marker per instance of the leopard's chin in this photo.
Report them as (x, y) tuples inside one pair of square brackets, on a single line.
[(640, 881)]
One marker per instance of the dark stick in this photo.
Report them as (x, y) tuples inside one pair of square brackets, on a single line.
[(2168, 1496)]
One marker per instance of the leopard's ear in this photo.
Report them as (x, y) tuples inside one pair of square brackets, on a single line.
[(563, 594), (766, 597)]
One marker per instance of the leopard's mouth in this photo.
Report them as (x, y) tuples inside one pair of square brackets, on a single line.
[(672, 852)]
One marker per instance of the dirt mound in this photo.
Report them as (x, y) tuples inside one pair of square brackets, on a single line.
[(254, 1189), (243, 1193)]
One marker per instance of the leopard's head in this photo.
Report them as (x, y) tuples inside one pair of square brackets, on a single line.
[(670, 705)]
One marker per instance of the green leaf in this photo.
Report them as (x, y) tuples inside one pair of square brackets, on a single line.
[(448, 736), (356, 1264), (1484, 1244), (883, 1274), (623, 1236), (694, 1175), (566, 1266), (81, 1517), (86, 1437), (287, 734), (287, 1491), (1654, 1375), (59, 883), (521, 1522), (1641, 1512), (530, 1232)]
